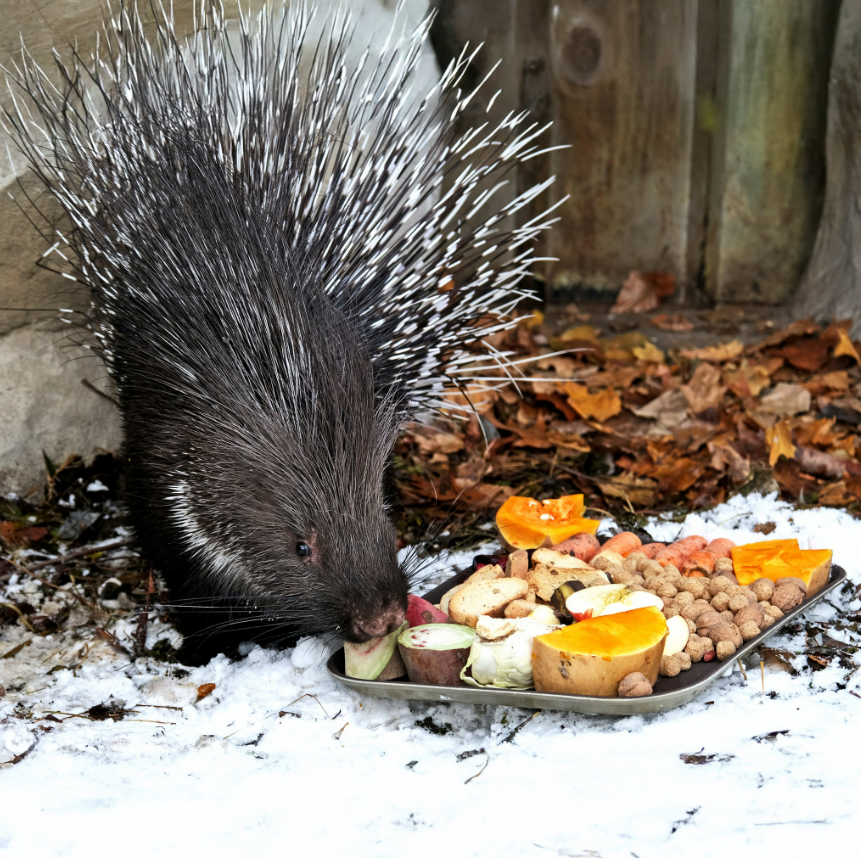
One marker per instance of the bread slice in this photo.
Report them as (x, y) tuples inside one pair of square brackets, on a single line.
[(486, 573), (518, 565), (519, 608), (484, 598), (543, 580), (547, 557)]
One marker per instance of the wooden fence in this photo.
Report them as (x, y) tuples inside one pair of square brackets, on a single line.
[(696, 132)]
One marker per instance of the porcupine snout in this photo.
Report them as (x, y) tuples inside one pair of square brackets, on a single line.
[(378, 625)]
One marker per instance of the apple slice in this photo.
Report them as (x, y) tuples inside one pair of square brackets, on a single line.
[(677, 639), (609, 599)]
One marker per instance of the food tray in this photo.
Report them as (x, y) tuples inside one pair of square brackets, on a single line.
[(669, 691)]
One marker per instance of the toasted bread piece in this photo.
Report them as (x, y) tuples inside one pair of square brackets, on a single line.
[(518, 565), (558, 560), (443, 602), (486, 573), (484, 598), (519, 608), (543, 580)]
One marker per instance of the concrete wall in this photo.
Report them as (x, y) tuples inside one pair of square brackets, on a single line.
[(46, 400)]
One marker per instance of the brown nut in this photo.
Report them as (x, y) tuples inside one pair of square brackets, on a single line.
[(723, 564), (736, 603), (725, 650), (748, 630), (671, 665), (650, 569), (692, 626), (786, 597), (750, 614), (707, 620), (634, 685), (684, 598), (774, 612), (618, 575), (720, 602), (728, 615), (730, 576), (719, 585), (767, 621), (632, 561), (725, 632), (691, 612), (667, 591), (695, 649), (749, 595), (696, 586), (796, 582), (672, 610), (763, 588), (685, 659)]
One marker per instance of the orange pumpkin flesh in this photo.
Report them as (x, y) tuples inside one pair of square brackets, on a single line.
[(525, 523), (781, 558), (591, 657)]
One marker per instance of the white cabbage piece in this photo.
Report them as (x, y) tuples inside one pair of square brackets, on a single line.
[(501, 653)]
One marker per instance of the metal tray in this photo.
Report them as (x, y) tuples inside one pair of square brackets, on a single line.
[(669, 691)]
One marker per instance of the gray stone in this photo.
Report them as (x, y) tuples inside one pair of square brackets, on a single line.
[(44, 406)]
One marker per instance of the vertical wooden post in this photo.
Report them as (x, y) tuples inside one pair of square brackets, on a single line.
[(623, 86), (767, 176)]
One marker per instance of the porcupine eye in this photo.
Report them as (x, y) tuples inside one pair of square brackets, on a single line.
[(303, 549)]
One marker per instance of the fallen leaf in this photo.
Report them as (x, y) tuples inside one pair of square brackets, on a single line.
[(672, 323), (430, 442), (716, 354), (819, 463), (766, 528), (637, 295), (21, 537), (807, 354), (638, 491), (748, 380), (845, 346), (670, 408), (649, 353), (205, 690), (786, 400), (598, 406), (779, 440), (838, 380), (581, 332), (704, 390)]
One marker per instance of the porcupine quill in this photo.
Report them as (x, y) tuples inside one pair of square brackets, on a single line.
[(289, 257)]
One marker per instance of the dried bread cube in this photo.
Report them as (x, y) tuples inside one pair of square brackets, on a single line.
[(485, 598), (543, 580)]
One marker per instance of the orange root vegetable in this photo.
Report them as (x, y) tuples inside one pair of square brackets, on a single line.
[(622, 543), (583, 546), (679, 551), (651, 549), (703, 561)]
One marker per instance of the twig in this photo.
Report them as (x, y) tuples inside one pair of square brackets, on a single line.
[(518, 728), (143, 617), (486, 761), (741, 668), (80, 552), (88, 384)]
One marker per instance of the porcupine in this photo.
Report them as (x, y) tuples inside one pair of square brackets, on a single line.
[(289, 258)]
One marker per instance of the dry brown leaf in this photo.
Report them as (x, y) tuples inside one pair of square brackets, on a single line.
[(807, 354), (637, 295), (836, 494), (563, 367), (638, 491), (430, 442), (845, 346), (599, 406), (786, 400), (779, 440), (748, 380), (838, 380), (669, 409), (704, 390), (672, 323), (649, 353), (819, 463), (816, 433), (716, 354), (580, 332)]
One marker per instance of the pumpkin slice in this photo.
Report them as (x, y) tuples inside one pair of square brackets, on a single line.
[(593, 656), (525, 523), (782, 558)]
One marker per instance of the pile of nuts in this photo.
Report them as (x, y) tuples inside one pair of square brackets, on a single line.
[(720, 613)]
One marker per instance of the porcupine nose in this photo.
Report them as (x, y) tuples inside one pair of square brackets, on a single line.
[(377, 626)]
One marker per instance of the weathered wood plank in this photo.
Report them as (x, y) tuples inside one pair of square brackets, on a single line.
[(767, 179), (623, 87)]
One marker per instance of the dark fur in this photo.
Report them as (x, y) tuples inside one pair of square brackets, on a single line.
[(271, 311)]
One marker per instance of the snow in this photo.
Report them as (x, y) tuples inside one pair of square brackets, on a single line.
[(282, 759)]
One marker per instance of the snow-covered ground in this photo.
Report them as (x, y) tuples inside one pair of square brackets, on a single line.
[(282, 760)]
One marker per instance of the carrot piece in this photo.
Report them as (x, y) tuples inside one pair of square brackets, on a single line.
[(678, 552), (651, 549), (622, 543), (704, 560), (699, 562), (583, 546)]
